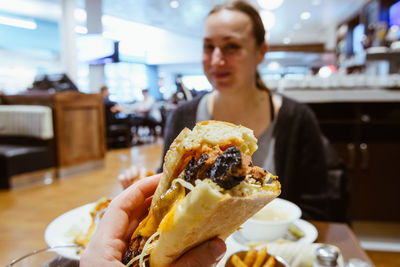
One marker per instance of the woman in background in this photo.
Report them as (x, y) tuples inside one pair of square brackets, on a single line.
[(289, 139)]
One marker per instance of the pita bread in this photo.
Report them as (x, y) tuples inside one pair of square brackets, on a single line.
[(203, 212)]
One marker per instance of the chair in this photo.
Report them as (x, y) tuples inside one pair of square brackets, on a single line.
[(118, 132), (334, 203), (338, 194)]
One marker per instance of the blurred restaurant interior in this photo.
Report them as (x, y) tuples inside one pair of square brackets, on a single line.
[(64, 141)]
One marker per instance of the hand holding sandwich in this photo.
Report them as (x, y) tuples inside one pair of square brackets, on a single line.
[(131, 175), (123, 216)]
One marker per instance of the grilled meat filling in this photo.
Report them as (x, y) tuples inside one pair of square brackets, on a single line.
[(193, 168), (227, 169)]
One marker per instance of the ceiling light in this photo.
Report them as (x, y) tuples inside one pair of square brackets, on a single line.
[(80, 14), (273, 65), (174, 4), (81, 29), (20, 23), (268, 19), (270, 4), (325, 72), (286, 40), (305, 15), (316, 2), (48, 10)]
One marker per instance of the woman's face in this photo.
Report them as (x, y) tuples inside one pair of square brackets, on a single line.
[(230, 52)]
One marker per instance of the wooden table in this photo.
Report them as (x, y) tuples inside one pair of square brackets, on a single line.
[(25, 213), (340, 235)]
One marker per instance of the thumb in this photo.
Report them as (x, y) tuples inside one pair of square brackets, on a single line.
[(204, 255)]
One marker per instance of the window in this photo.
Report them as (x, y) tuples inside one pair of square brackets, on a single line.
[(125, 81), (196, 82)]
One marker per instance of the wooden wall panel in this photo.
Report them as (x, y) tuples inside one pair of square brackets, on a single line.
[(80, 135), (81, 127)]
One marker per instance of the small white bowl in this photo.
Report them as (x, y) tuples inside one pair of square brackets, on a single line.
[(272, 221)]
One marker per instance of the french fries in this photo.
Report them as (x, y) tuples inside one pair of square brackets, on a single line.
[(254, 258), (250, 258), (237, 262), (261, 255), (270, 262)]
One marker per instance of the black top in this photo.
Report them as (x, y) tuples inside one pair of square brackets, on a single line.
[(110, 116), (299, 152)]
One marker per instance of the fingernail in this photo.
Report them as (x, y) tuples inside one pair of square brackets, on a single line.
[(218, 248)]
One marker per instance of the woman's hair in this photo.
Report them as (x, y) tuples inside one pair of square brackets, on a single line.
[(258, 26)]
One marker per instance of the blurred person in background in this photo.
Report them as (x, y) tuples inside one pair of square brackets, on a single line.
[(146, 113), (111, 108), (289, 139), (181, 87), (147, 106)]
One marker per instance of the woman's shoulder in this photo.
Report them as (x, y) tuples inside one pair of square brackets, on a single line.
[(293, 113), (185, 113), (291, 106), (189, 105)]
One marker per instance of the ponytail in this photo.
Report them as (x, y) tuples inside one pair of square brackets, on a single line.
[(260, 83)]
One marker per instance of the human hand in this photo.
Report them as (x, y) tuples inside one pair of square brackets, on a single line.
[(131, 175), (206, 254), (123, 215), (116, 108)]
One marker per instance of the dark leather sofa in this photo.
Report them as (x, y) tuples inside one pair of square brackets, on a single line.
[(18, 158)]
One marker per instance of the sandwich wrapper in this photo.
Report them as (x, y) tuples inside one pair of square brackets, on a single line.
[(296, 254)]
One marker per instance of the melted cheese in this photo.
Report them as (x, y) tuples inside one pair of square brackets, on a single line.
[(149, 228), (150, 225), (167, 221)]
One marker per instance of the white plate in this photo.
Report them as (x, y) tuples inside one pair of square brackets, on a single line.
[(63, 229), (310, 233), (236, 242)]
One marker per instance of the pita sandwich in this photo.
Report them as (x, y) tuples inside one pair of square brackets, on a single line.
[(208, 189)]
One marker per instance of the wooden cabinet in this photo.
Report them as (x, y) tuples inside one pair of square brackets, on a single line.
[(78, 124), (367, 137), (79, 128)]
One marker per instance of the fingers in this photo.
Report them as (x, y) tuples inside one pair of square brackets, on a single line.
[(127, 208), (124, 182), (204, 255), (128, 176), (137, 216), (131, 175), (135, 195)]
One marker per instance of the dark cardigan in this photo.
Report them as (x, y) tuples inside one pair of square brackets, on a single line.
[(299, 153)]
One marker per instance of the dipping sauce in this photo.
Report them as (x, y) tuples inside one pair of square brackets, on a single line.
[(270, 214)]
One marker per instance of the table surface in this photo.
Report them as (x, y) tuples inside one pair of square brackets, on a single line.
[(25, 213), (340, 235)]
